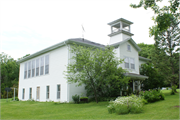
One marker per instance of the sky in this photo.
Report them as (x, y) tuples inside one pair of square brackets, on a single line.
[(30, 26)]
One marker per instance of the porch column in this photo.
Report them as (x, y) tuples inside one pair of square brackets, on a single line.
[(133, 86)]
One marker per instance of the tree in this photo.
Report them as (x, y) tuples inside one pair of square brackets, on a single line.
[(155, 79), (24, 56), (96, 68), (167, 37), (9, 72), (162, 15), (146, 50)]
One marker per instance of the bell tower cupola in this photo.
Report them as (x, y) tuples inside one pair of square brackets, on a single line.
[(120, 30)]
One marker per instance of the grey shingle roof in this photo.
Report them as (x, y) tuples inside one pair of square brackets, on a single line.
[(81, 40)]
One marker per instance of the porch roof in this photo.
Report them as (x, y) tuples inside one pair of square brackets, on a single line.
[(136, 76)]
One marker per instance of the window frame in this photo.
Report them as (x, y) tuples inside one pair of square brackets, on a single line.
[(23, 93), (25, 70), (34, 60), (129, 47), (45, 64), (58, 91), (29, 68), (130, 63), (37, 67), (129, 58), (42, 67), (30, 93), (47, 92)]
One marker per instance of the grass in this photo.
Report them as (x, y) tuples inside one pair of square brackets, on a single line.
[(49, 110)]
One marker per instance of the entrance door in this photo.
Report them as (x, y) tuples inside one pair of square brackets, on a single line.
[(38, 94)]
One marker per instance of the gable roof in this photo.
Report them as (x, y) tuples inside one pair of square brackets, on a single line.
[(69, 41), (120, 19), (131, 41), (80, 41)]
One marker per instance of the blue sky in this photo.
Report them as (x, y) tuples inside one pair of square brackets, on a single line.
[(29, 26)]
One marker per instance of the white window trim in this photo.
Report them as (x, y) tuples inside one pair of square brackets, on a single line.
[(36, 66), (46, 92), (134, 63), (31, 93), (130, 47), (26, 70), (23, 94), (57, 92), (130, 63), (45, 64)]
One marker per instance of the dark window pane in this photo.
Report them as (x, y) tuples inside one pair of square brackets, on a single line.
[(42, 70), (126, 65), (37, 71), (25, 74), (46, 69), (33, 72), (58, 91), (132, 66)]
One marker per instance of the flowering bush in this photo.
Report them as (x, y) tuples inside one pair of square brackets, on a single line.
[(152, 95), (124, 105)]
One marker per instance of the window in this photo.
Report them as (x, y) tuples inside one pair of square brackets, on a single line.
[(136, 85), (128, 47), (38, 93), (58, 91), (29, 69), (37, 67), (132, 63), (33, 68), (30, 93), (126, 62), (129, 63), (42, 66), (23, 93), (25, 70), (47, 92), (46, 64)]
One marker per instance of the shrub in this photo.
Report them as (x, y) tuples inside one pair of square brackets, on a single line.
[(144, 101), (84, 99), (111, 108), (75, 98), (121, 109), (173, 91), (162, 96), (167, 88), (124, 105), (152, 96), (135, 109), (16, 98)]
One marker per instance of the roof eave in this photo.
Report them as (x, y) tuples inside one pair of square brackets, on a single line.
[(120, 19), (69, 41), (143, 58)]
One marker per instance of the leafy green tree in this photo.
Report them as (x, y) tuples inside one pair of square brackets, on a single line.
[(166, 33), (9, 73), (155, 79), (146, 50), (162, 15), (96, 68), (24, 56)]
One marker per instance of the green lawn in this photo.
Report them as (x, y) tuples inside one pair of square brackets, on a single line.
[(48, 110)]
